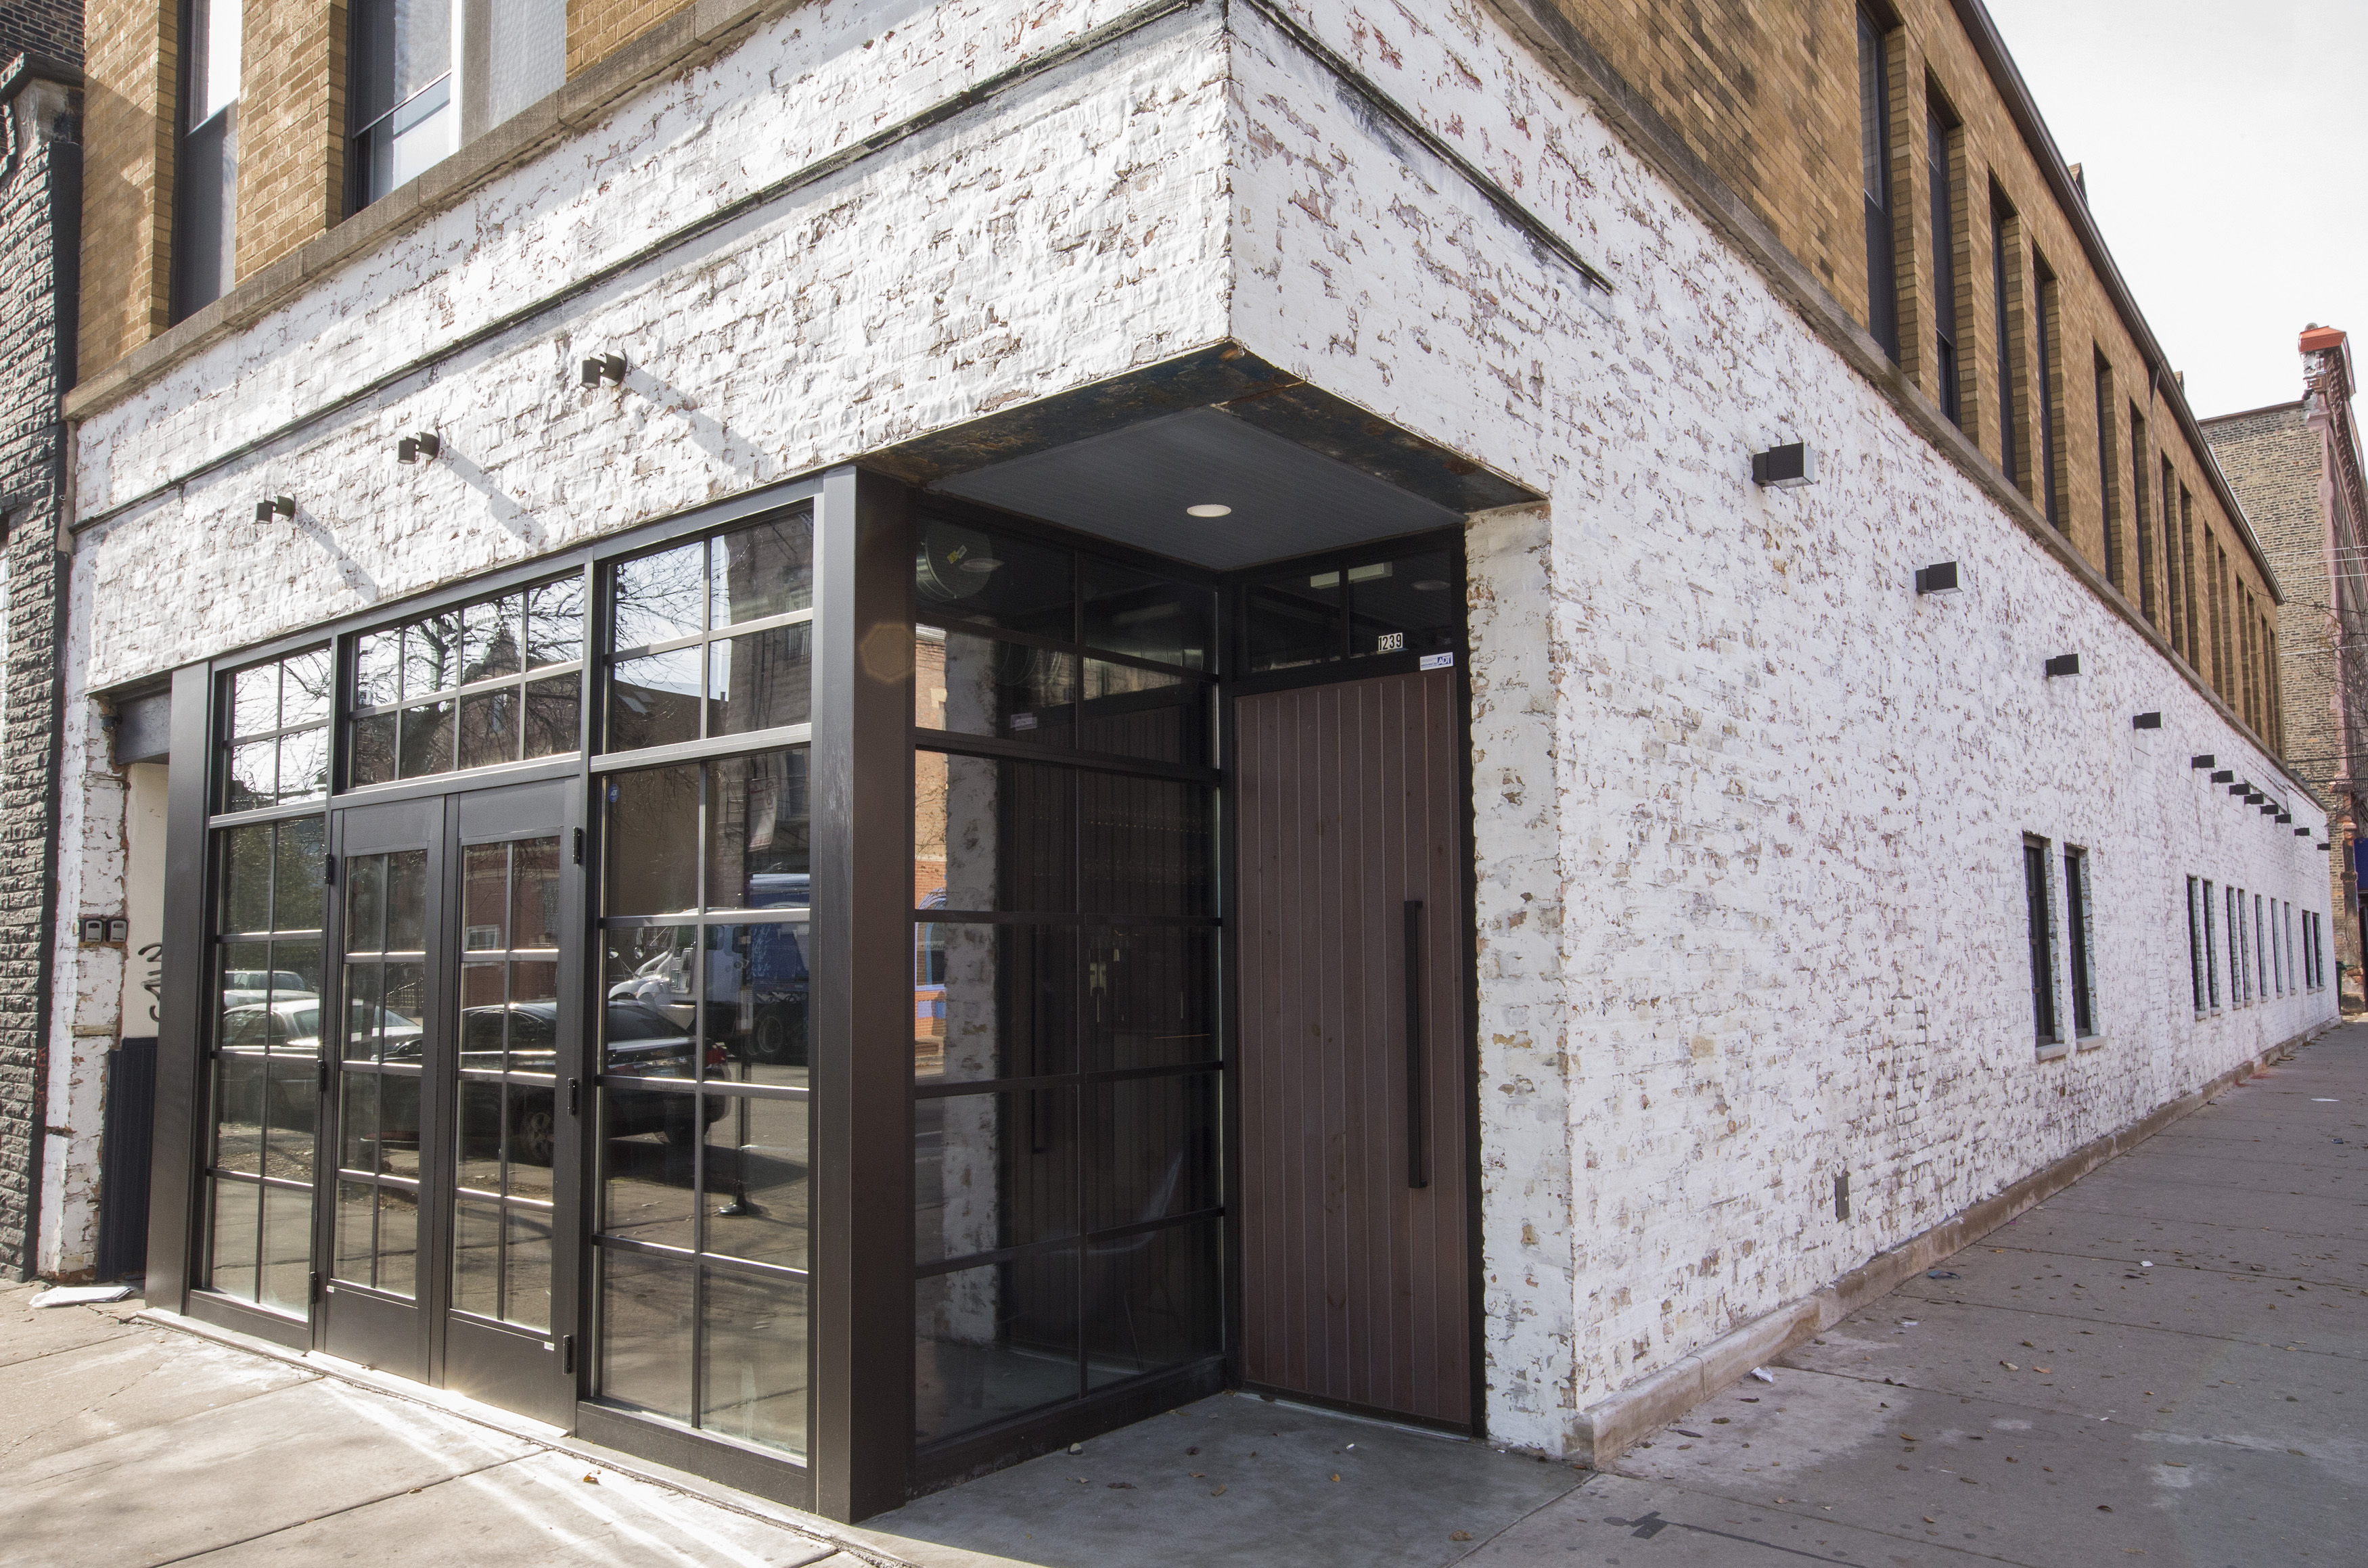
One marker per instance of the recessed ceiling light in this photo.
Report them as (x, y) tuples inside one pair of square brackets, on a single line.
[(980, 566), (1209, 509)]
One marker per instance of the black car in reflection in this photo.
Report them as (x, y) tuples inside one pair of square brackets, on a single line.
[(642, 1043)]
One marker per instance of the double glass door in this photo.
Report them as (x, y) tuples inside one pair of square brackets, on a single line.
[(456, 1092)]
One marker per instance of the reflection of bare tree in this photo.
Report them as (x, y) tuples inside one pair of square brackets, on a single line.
[(661, 596), (426, 665)]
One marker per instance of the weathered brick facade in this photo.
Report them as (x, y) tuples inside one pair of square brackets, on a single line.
[(40, 191), (2297, 468), (1767, 98), (1750, 812)]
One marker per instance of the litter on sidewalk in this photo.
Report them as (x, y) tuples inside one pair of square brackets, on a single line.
[(82, 1295)]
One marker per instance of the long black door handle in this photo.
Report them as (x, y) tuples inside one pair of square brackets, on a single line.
[(1417, 1151)]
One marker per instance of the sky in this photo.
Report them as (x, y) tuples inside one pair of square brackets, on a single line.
[(2225, 146)]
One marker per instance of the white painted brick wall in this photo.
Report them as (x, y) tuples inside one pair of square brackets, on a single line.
[(1789, 798), (1065, 232), (1749, 815)]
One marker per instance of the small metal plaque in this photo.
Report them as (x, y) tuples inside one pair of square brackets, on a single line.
[(1439, 661)]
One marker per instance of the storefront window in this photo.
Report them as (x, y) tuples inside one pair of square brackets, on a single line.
[(705, 1125), (1066, 1178), (266, 1025)]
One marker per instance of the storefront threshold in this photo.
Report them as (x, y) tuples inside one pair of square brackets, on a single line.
[(752, 1504)]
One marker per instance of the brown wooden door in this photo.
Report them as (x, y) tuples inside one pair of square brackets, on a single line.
[(1355, 1268)]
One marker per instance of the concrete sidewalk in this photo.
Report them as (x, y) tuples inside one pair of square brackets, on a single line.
[(2165, 1361)]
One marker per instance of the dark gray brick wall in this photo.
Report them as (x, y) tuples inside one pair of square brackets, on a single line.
[(52, 28), (41, 195)]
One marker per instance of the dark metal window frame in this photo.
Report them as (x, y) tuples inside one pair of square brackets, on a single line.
[(1945, 140), (949, 1459), (860, 1457), (2039, 908), (2046, 365), (179, 1213), (2006, 247), (2076, 930), (1874, 42)]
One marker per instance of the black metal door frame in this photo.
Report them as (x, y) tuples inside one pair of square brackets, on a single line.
[(425, 1338)]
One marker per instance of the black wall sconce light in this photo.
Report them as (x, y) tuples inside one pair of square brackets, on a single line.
[(604, 368), (2204, 760), (2064, 664), (1785, 468), (1937, 579), (285, 506), (411, 449), (2146, 722), (2225, 775)]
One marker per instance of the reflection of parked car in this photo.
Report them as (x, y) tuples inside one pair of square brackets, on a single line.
[(291, 1031), (240, 986), (642, 1042)]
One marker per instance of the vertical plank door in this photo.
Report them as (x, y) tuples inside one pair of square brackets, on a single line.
[(1354, 1216)]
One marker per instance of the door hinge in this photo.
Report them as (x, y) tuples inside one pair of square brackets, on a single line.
[(315, 1285), (323, 1065), (328, 869), (567, 1353), (579, 846), (575, 1093)]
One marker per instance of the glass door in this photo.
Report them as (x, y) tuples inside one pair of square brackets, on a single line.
[(457, 1094)]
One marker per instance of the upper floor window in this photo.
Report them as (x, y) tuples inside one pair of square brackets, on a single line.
[(206, 187), (2005, 247), (1875, 153), (427, 75), (2046, 360), (1944, 267)]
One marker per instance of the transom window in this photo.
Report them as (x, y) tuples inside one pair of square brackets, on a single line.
[(714, 637), (495, 681), (278, 733)]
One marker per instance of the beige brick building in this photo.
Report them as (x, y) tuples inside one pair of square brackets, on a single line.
[(2296, 467)]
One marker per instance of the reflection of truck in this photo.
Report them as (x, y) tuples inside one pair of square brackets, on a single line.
[(757, 988)]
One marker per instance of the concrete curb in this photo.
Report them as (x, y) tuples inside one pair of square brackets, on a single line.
[(1612, 1426)]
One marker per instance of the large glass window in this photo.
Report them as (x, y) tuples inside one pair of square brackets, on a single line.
[(205, 242), (705, 1129), (714, 637), (1066, 1178), (265, 1040), (495, 681)]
